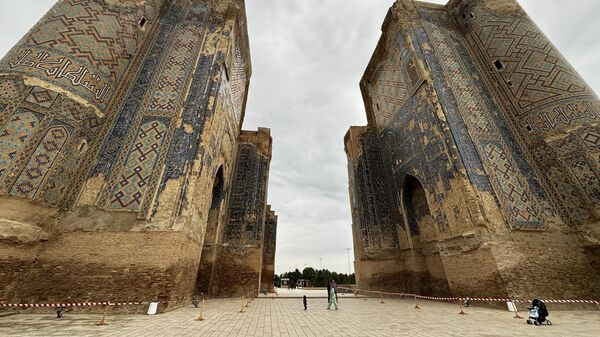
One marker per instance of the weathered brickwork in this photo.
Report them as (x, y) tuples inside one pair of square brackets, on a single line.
[(267, 277), (235, 258), (120, 134), (488, 158)]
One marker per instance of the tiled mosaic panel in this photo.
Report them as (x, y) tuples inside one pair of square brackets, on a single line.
[(42, 97), (465, 147), (474, 108), (387, 91), (511, 186), (374, 202), (586, 177), (14, 136), (113, 143), (568, 193), (238, 82), (270, 238), (540, 75), (169, 85), (84, 46), (405, 148), (139, 167), (591, 138), (41, 162), (247, 203)]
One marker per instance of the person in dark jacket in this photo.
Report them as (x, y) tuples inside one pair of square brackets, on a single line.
[(305, 302), (542, 310)]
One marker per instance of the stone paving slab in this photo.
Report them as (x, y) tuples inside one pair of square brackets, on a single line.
[(357, 317)]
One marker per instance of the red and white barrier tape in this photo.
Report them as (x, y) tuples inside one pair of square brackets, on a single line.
[(67, 305), (473, 299)]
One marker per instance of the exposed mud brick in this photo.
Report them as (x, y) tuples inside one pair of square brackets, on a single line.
[(120, 143), (476, 174)]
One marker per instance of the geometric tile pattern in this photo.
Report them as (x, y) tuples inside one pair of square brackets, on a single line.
[(586, 177), (388, 91), (169, 85), (116, 139), (83, 46), (374, 208), (512, 187), (507, 179), (42, 97), (247, 200), (158, 94), (139, 167), (41, 162), (14, 136), (539, 74), (91, 31), (591, 138), (569, 194), (238, 82)]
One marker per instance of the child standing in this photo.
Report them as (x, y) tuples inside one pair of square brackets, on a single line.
[(304, 301)]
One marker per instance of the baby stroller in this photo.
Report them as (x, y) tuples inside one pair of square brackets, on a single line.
[(538, 313)]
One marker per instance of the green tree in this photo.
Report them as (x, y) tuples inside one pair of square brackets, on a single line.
[(310, 274), (277, 280)]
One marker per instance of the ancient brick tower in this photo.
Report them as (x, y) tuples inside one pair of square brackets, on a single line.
[(477, 173), (121, 153)]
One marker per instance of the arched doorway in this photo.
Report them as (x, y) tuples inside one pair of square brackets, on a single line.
[(215, 209), (418, 214), (426, 263), (210, 248)]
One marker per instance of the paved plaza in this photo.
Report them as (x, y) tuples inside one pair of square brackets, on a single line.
[(286, 317)]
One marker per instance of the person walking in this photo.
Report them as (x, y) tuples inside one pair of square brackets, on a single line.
[(332, 298), (334, 286)]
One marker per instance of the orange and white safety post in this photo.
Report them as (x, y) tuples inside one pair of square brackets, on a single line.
[(103, 321), (517, 316), (201, 318), (461, 312)]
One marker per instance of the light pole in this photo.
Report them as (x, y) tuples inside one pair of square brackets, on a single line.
[(348, 253)]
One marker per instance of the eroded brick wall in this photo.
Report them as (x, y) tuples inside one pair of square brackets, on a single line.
[(269, 244), (119, 207), (482, 165), (237, 260)]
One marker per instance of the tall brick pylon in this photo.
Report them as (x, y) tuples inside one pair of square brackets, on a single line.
[(478, 171), (119, 130)]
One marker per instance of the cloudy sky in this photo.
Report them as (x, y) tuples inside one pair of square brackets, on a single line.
[(308, 57)]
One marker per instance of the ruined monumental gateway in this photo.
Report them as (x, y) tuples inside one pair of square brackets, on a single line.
[(478, 172), (124, 172)]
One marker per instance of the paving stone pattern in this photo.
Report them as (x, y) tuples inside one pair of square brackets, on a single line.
[(285, 317)]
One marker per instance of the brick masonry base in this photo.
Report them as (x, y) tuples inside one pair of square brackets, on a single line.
[(101, 266)]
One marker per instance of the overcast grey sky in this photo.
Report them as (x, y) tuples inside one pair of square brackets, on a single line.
[(308, 57)]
